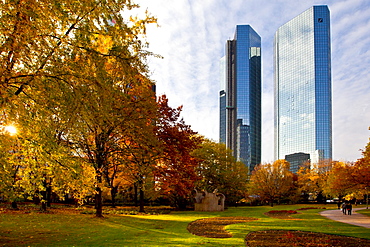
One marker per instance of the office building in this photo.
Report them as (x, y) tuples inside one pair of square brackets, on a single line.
[(302, 77), (297, 161), (240, 96)]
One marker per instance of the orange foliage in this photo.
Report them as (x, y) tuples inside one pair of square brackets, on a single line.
[(176, 170)]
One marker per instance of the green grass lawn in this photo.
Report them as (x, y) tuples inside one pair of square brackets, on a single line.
[(365, 211), (57, 229)]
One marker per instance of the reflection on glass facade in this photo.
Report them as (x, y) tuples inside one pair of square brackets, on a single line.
[(240, 96), (302, 70)]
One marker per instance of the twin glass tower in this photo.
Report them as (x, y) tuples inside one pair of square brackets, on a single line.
[(302, 91), (240, 96), (303, 104)]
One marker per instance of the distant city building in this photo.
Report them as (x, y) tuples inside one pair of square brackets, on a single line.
[(302, 71), (240, 96), (297, 160)]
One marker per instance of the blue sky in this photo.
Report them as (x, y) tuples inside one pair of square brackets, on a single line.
[(191, 38)]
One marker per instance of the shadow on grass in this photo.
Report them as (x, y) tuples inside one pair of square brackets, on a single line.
[(68, 227), (215, 227)]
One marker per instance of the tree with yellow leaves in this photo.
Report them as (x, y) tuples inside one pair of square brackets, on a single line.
[(351, 179), (74, 73), (313, 180), (361, 175), (39, 38), (9, 166), (31, 168), (272, 182), (220, 171)]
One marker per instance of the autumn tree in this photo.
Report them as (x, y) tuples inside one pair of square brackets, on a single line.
[(175, 173), (30, 169), (135, 147), (117, 175), (80, 68), (142, 153), (337, 181), (351, 179), (304, 181), (9, 165), (159, 155), (110, 112), (361, 172), (38, 37), (272, 182), (220, 171), (313, 180)]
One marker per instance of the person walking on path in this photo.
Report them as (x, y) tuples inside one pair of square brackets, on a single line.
[(344, 208), (349, 208), (356, 218)]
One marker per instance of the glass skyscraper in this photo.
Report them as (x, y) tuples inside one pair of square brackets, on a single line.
[(302, 76), (240, 96)]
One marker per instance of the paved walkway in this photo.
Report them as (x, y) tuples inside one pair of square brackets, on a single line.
[(354, 219)]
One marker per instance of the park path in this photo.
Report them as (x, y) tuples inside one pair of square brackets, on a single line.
[(354, 219)]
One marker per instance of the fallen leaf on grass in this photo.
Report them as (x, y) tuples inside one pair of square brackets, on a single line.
[(284, 238)]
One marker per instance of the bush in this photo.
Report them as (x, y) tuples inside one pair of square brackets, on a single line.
[(310, 208)]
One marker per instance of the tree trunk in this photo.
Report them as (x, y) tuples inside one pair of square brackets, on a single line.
[(14, 205), (43, 206), (98, 203), (36, 199), (48, 195), (135, 195), (113, 193), (43, 201), (141, 210)]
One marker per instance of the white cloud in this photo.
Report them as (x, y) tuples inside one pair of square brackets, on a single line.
[(192, 38)]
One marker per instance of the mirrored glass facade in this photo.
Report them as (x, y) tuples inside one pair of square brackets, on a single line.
[(302, 71), (223, 100), (240, 97)]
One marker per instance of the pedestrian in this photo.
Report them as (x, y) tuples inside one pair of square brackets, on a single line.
[(338, 204), (344, 208), (349, 208)]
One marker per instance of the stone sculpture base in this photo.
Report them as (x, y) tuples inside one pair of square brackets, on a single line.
[(206, 201)]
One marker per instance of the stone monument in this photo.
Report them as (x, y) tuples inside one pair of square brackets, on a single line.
[(205, 201)]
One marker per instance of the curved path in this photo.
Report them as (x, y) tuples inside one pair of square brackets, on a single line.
[(354, 219)]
